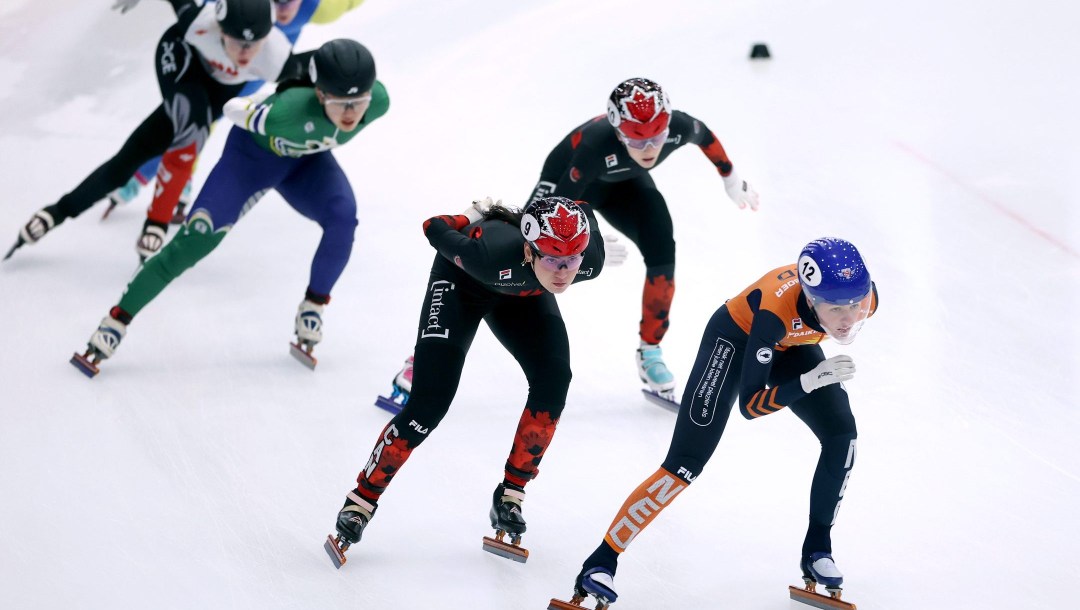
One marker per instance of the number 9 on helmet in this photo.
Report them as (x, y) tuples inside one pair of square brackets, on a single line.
[(555, 226)]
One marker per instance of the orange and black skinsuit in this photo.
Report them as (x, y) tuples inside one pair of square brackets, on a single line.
[(754, 348), (591, 164), (477, 275)]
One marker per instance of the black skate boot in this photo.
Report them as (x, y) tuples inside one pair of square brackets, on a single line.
[(506, 518), (43, 221), (351, 521)]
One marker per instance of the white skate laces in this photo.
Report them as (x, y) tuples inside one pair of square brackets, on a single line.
[(151, 240), (359, 505), (38, 226), (653, 371), (309, 322), (107, 337), (513, 496)]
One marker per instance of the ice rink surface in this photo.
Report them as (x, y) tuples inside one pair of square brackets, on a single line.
[(204, 467)]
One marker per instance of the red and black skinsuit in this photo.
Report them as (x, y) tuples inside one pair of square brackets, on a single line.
[(477, 275), (592, 165)]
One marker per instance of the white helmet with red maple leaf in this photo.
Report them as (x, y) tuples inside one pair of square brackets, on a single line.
[(555, 226), (639, 109)]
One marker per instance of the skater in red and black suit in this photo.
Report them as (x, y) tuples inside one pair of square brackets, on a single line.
[(503, 267), (762, 348), (202, 61), (606, 162)]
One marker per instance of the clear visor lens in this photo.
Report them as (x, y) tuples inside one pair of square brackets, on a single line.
[(842, 321), (348, 103), (656, 141), (556, 263), (238, 44)]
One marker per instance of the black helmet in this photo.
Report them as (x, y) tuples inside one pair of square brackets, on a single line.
[(244, 19), (342, 68)]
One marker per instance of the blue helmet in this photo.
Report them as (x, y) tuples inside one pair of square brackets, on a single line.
[(831, 270)]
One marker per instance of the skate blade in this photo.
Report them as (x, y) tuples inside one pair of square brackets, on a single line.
[(108, 210), (18, 243), (559, 605), (303, 355), (336, 553), (85, 366), (660, 400), (509, 551), (387, 404), (575, 603), (817, 600)]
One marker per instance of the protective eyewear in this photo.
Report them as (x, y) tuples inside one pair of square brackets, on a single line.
[(656, 141), (555, 263), (347, 103), (241, 44)]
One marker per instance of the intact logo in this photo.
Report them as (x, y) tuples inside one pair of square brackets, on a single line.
[(611, 160), (796, 323), (764, 355), (585, 272), (353, 90), (575, 174), (505, 274), (309, 127)]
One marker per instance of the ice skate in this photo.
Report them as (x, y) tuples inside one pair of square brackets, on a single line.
[(39, 224), (102, 345), (151, 240), (401, 387), (599, 582), (819, 568), (184, 204), (506, 518), (351, 521), (122, 196), (655, 374), (308, 332)]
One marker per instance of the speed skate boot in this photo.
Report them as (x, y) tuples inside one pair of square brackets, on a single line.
[(654, 373), (401, 387), (308, 332), (152, 239), (39, 224), (403, 382), (123, 195), (506, 518), (819, 568), (351, 521), (102, 345), (182, 205), (598, 581)]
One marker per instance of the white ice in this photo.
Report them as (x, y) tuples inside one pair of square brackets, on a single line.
[(204, 467)]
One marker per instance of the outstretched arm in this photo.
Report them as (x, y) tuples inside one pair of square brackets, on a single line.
[(737, 189), (330, 10)]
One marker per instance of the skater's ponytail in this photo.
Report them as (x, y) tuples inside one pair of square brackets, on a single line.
[(501, 212)]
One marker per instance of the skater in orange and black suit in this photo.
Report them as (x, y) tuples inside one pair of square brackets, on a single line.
[(761, 348)]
